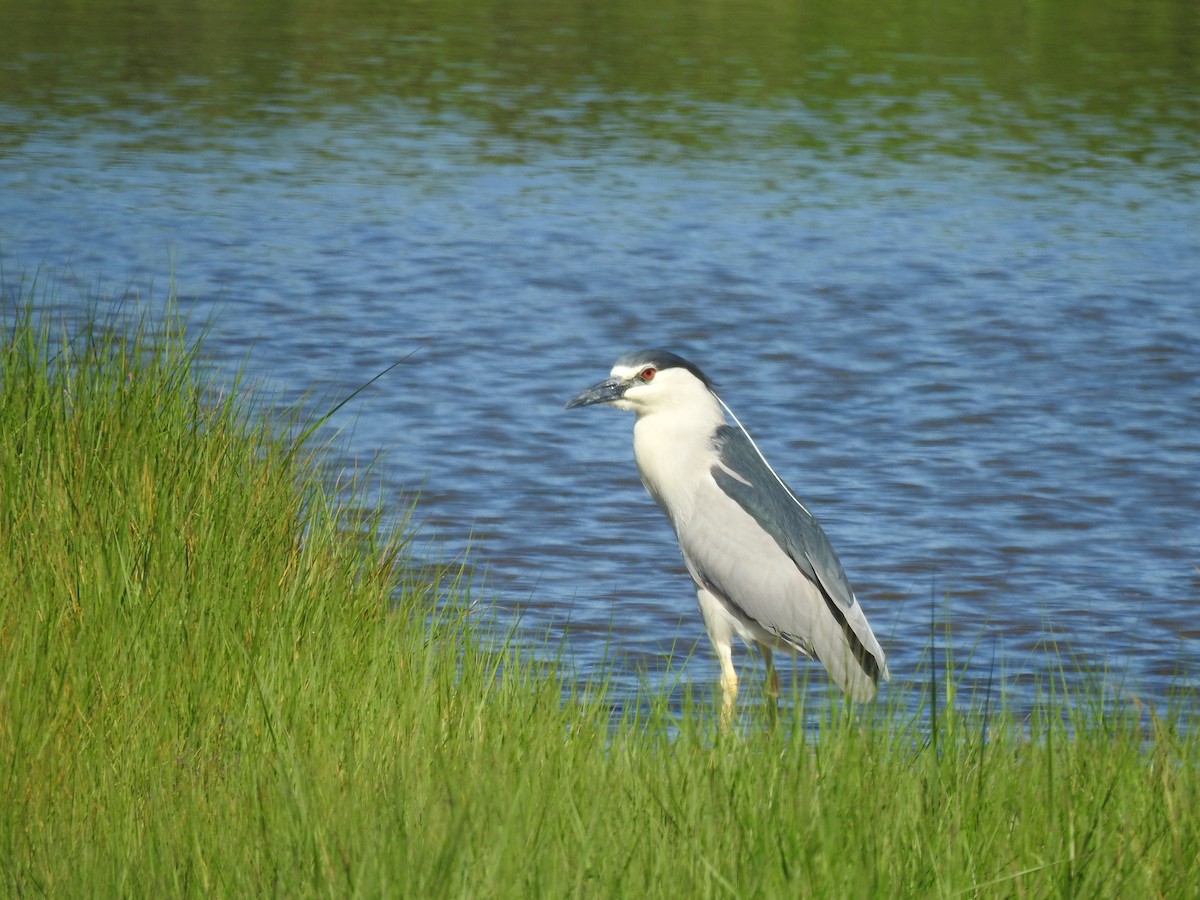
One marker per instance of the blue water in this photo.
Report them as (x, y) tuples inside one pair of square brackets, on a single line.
[(982, 375)]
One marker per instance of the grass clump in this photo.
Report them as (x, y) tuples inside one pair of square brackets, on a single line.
[(207, 673), (216, 678)]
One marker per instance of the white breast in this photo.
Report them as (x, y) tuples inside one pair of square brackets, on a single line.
[(674, 455)]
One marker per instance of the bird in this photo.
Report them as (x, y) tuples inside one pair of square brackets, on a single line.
[(763, 568)]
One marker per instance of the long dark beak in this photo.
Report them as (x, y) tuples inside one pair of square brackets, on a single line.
[(605, 392)]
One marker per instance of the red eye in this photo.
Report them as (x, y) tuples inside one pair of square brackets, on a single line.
[(647, 374)]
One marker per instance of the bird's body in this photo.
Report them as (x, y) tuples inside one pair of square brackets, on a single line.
[(764, 570)]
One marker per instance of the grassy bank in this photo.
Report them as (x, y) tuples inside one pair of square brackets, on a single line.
[(215, 679)]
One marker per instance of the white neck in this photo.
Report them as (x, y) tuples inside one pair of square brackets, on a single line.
[(671, 444)]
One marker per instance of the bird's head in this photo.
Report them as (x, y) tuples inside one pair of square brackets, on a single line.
[(648, 381)]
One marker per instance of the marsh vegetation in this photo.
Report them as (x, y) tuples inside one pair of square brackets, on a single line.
[(214, 680)]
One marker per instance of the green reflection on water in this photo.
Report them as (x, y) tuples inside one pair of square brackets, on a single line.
[(1107, 75)]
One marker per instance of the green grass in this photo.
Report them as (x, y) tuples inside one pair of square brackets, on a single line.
[(217, 678)]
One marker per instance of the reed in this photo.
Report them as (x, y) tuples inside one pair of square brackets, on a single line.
[(218, 677)]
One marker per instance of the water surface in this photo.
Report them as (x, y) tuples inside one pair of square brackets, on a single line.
[(946, 272)]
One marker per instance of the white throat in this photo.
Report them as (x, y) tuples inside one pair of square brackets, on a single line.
[(671, 444)]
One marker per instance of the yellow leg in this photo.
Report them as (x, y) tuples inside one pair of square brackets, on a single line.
[(721, 630), (772, 675), (772, 686), (729, 682)]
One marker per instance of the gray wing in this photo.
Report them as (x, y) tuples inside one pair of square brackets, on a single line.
[(744, 476)]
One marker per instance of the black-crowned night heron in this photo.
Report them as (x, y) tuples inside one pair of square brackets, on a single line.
[(764, 570)]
